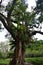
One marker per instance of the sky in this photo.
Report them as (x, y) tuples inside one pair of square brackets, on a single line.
[(3, 33)]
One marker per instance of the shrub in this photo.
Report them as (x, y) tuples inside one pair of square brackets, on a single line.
[(10, 55), (1, 56)]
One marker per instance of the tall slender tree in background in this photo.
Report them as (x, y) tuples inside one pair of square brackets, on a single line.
[(21, 25)]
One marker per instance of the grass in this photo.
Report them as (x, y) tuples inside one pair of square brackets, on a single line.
[(35, 49), (4, 61), (35, 60)]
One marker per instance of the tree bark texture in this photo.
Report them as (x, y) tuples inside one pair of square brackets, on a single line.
[(18, 58)]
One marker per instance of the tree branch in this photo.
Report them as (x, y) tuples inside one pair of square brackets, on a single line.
[(6, 26), (9, 14), (33, 33), (3, 16), (11, 9)]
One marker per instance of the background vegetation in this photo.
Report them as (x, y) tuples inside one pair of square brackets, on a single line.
[(33, 53)]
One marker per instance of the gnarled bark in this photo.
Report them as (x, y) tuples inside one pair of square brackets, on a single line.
[(18, 58)]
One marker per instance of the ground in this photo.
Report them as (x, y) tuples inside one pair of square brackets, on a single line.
[(24, 64)]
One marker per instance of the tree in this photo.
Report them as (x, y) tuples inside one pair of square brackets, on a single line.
[(23, 31), (39, 10), (39, 5)]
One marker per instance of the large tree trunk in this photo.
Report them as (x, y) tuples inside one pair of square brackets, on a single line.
[(18, 58)]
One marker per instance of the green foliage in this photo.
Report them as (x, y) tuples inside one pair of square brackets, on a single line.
[(41, 18), (1, 55), (10, 54), (12, 43), (25, 21), (39, 10), (4, 61), (40, 5), (35, 61), (35, 49)]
